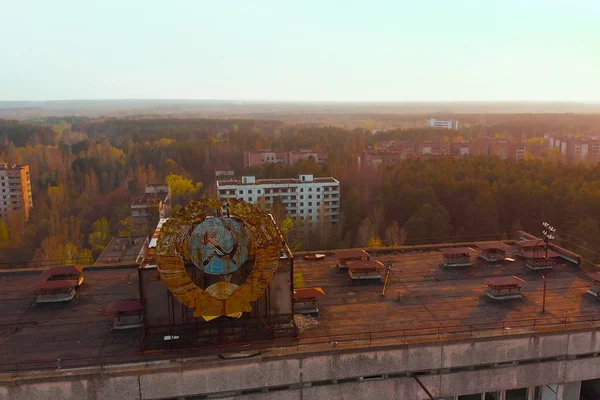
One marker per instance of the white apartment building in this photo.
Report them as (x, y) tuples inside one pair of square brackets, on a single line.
[(306, 198), (15, 189), (443, 123)]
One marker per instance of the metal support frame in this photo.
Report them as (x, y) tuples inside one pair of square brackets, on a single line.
[(259, 324), (423, 387)]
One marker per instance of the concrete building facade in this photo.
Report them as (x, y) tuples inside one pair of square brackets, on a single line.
[(532, 366), (153, 204), (443, 123), (15, 189), (306, 199), (576, 148), (256, 158)]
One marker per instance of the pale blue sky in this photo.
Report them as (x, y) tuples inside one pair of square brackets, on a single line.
[(373, 50)]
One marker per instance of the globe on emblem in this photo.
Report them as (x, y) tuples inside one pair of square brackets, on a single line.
[(219, 245)]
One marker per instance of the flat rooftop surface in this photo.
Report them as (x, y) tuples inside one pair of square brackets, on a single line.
[(80, 328), (419, 294), (121, 251)]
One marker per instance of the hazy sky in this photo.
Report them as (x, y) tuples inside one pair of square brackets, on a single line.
[(370, 50)]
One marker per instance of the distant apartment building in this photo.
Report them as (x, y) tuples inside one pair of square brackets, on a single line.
[(375, 159), (15, 189), (256, 158), (502, 148), (224, 174), (443, 123), (576, 148), (153, 204), (428, 148), (458, 149), (306, 199), (385, 153), (391, 152)]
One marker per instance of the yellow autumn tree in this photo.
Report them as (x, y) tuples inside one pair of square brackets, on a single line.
[(375, 242), (182, 189)]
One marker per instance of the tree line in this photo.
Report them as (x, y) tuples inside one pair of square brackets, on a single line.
[(85, 173)]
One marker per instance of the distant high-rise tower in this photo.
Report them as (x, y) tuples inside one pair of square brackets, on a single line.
[(15, 189)]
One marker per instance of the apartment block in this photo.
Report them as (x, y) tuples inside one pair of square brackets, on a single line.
[(576, 148), (261, 157), (154, 203), (306, 199), (502, 148), (15, 189), (442, 123)]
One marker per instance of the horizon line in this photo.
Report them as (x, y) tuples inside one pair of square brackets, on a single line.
[(301, 101)]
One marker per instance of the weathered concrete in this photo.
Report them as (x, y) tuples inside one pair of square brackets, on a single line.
[(502, 378), (446, 368), (392, 389), (584, 342), (503, 349), (365, 363), (86, 387), (226, 377)]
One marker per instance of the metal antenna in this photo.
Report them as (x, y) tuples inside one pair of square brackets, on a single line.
[(388, 271), (548, 233)]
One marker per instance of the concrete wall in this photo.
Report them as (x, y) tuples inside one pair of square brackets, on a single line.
[(446, 368)]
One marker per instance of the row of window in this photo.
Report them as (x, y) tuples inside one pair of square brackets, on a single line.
[(281, 190), (269, 198), (13, 202), (310, 218)]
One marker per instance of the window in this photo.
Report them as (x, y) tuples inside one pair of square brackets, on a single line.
[(301, 204), (310, 203), (258, 191), (318, 189), (310, 196), (318, 196), (310, 189), (241, 192), (249, 191), (301, 196), (302, 189), (318, 203)]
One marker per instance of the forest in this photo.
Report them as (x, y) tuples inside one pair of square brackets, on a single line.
[(85, 172)]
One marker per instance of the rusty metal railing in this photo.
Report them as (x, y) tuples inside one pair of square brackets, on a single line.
[(381, 337), (47, 263)]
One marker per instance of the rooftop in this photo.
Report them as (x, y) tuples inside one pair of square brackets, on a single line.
[(505, 281), (351, 253), (419, 295), (530, 243), (129, 305), (79, 328), (457, 250), (4, 166), (286, 181), (492, 246), (365, 265), (68, 270), (162, 196), (58, 284), (122, 251), (539, 254)]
